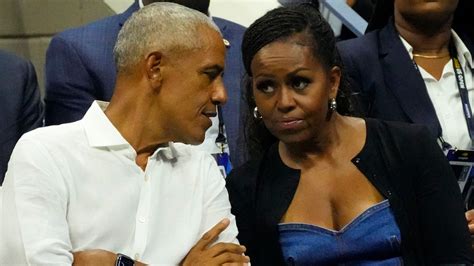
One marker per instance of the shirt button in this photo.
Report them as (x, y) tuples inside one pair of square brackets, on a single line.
[(357, 160), (146, 178), (141, 219), (137, 256)]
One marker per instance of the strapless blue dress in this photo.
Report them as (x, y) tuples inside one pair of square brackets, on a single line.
[(373, 238)]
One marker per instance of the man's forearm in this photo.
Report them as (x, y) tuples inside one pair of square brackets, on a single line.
[(97, 257)]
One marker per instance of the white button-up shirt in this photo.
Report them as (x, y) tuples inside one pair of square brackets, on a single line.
[(77, 187), (444, 95)]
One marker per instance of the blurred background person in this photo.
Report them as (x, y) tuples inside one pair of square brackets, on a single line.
[(330, 189), (21, 108), (80, 69), (402, 69)]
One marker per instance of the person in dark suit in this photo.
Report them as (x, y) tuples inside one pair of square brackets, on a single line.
[(381, 68), (80, 69), (21, 108)]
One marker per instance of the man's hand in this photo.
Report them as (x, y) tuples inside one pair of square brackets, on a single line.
[(470, 220), (97, 257), (202, 254)]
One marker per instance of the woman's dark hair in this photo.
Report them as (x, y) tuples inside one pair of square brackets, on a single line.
[(278, 24)]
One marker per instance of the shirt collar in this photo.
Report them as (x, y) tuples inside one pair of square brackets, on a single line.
[(463, 52), (101, 132), (169, 152), (140, 3)]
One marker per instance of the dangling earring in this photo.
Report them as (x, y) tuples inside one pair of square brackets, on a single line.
[(333, 105), (256, 114)]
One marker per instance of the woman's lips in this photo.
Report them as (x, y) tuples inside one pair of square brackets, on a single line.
[(290, 124)]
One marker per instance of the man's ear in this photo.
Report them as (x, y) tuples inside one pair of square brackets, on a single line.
[(153, 69)]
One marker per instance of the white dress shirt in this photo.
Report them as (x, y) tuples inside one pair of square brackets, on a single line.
[(444, 95), (77, 187)]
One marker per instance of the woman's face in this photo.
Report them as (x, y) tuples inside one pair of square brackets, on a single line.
[(292, 89)]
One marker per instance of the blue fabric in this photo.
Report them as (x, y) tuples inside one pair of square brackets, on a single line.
[(21, 108), (80, 68), (373, 238)]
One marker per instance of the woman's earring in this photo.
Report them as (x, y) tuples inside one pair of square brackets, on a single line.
[(256, 114), (333, 105)]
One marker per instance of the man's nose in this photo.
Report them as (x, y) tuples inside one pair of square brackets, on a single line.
[(219, 94)]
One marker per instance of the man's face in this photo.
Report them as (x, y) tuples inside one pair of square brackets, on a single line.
[(193, 87)]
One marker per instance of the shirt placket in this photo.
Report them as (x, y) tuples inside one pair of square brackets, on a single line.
[(143, 211)]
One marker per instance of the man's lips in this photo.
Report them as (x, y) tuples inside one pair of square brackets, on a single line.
[(210, 113)]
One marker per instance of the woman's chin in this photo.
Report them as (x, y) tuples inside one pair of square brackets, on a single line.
[(294, 139)]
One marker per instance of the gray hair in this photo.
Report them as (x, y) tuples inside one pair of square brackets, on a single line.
[(164, 26)]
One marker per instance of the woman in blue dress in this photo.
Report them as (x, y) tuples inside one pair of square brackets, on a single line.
[(325, 188)]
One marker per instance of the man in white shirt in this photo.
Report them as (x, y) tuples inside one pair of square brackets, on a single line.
[(114, 185)]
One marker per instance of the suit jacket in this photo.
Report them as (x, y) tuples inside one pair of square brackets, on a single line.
[(80, 68), (381, 72), (402, 163), (21, 109)]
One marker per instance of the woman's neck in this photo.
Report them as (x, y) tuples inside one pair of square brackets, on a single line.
[(344, 138), (297, 155)]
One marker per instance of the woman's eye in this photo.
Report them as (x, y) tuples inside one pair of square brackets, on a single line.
[(299, 83), (266, 87)]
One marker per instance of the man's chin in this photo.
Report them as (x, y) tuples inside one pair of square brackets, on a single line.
[(195, 140), (192, 136)]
